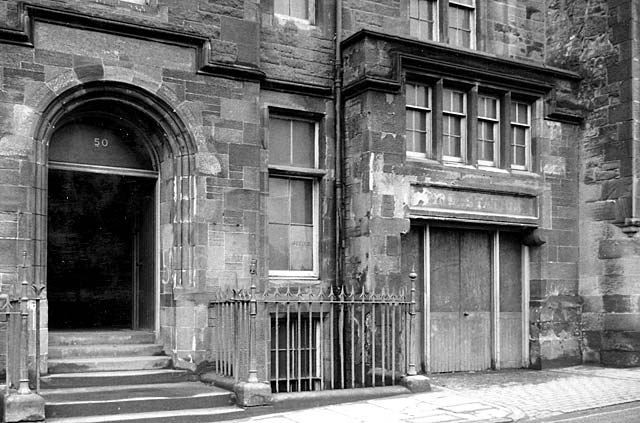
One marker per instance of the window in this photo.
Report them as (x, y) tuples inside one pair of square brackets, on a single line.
[(295, 356), (422, 19), (299, 9), (488, 130), (418, 120), (520, 135), (473, 125), (461, 23), (293, 199), (454, 116), (451, 21)]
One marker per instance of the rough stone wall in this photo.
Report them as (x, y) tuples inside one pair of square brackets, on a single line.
[(232, 26), (598, 39), (378, 194), (296, 51), (223, 116), (507, 28)]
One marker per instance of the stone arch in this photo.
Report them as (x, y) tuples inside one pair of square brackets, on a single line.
[(172, 148)]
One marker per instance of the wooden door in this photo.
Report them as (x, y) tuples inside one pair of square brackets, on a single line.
[(460, 300), (146, 265), (510, 320)]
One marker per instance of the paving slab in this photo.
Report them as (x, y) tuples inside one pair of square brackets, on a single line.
[(491, 397)]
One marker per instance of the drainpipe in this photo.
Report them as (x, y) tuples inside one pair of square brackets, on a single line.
[(339, 166)]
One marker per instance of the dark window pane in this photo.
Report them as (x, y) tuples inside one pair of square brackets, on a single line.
[(301, 248), (421, 92), (299, 9), (278, 247), (303, 144), (420, 142), (278, 202), (279, 141), (520, 156), (301, 201), (281, 7)]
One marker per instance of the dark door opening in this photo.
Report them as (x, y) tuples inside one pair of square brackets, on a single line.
[(100, 254)]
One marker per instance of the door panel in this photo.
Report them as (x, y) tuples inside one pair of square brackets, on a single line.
[(510, 300), (445, 271), (461, 277), (146, 266), (475, 293), (445, 342), (445, 300)]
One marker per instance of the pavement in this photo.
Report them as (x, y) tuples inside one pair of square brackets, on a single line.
[(495, 397)]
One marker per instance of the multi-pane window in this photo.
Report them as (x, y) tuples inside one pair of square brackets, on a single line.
[(422, 19), (418, 116), (292, 203), (300, 9), (471, 125), (520, 134), (488, 130), (295, 356), (461, 23), (453, 125)]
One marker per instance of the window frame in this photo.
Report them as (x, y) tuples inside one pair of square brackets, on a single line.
[(314, 175), (463, 125), (503, 158), (456, 4), (496, 131), (428, 113), (294, 373), (311, 13), (513, 123), (435, 31)]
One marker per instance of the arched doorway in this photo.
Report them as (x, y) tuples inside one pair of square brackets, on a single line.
[(129, 160), (101, 224)]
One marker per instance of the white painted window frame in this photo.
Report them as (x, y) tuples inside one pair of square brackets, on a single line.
[(463, 126), (496, 133), (307, 174), (527, 128), (472, 21), (428, 111), (435, 32), (311, 13)]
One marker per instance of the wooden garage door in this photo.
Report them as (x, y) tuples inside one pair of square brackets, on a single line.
[(461, 279)]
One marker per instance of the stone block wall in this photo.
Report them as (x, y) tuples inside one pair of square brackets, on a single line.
[(507, 28), (218, 226), (598, 39)]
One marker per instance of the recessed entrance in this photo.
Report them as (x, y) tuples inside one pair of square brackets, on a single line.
[(101, 227), (472, 287), (100, 255)]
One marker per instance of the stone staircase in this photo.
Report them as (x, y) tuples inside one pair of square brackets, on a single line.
[(116, 376)]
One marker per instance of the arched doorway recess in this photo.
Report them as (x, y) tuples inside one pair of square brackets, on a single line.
[(114, 171)]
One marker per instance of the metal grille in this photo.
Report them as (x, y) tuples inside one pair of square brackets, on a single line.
[(312, 339)]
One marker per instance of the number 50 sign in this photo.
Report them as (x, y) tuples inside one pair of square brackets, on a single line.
[(100, 142)]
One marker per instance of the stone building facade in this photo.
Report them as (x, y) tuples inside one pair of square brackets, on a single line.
[(156, 148)]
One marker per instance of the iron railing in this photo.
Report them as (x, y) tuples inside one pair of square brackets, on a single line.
[(312, 339)]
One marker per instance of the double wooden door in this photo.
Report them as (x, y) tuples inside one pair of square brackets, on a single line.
[(461, 280), (470, 284)]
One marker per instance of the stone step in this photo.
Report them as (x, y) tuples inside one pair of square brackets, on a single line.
[(104, 364), (200, 415), (111, 400), (109, 337), (104, 350), (115, 378)]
